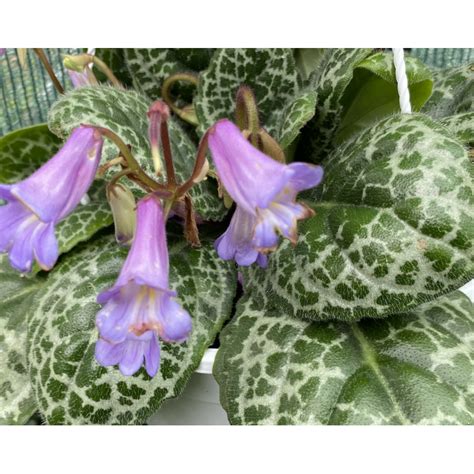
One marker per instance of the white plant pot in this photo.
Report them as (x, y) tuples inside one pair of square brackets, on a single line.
[(199, 402)]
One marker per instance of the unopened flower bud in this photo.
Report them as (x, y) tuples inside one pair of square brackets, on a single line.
[(77, 63), (157, 112), (270, 146), (203, 173), (122, 203)]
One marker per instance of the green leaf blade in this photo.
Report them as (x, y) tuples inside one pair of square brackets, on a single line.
[(17, 402), (394, 228), (412, 368)]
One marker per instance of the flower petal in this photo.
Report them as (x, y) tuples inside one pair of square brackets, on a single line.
[(11, 216), (46, 249), (152, 356), (252, 178), (21, 252), (305, 176), (115, 318), (175, 322), (107, 353), (132, 357)]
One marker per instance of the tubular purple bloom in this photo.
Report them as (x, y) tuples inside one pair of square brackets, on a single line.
[(265, 193), (140, 306), (36, 204)]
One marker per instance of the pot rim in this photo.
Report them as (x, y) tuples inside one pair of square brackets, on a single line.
[(207, 362)]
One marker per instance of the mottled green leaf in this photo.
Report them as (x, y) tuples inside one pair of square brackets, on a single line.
[(372, 94), (86, 220), (453, 92), (125, 113), (114, 58), (308, 60), (272, 75), (394, 227), (329, 81), (462, 126), (294, 117), (25, 150), (69, 385), (17, 403), (412, 368), (150, 67)]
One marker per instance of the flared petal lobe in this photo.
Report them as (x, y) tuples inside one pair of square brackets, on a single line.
[(237, 243), (130, 354)]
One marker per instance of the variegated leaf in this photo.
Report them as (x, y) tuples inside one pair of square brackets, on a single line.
[(394, 227), (272, 75), (69, 385), (150, 67), (17, 403), (329, 81), (25, 150), (462, 126), (412, 368), (453, 92), (114, 58), (125, 113)]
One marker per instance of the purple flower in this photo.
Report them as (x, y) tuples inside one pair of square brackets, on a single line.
[(264, 191), (79, 79), (3, 51), (36, 204), (140, 306)]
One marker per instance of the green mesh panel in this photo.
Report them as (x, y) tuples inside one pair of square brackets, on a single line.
[(27, 92)]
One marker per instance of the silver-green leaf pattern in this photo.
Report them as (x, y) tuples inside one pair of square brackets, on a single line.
[(150, 67), (284, 107), (125, 113), (329, 81), (412, 368), (462, 126), (69, 385), (115, 60), (453, 92), (394, 227), (17, 402), (25, 150)]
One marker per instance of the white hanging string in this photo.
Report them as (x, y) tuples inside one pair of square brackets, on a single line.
[(402, 80)]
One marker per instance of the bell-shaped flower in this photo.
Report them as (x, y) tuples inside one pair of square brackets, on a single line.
[(264, 191), (35, 205), (140, 306)]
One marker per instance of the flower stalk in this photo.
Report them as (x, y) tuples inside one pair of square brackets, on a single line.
[(44, 60), (186, 113)]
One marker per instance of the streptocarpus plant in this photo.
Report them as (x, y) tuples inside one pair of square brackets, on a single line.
[(347, 313)]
